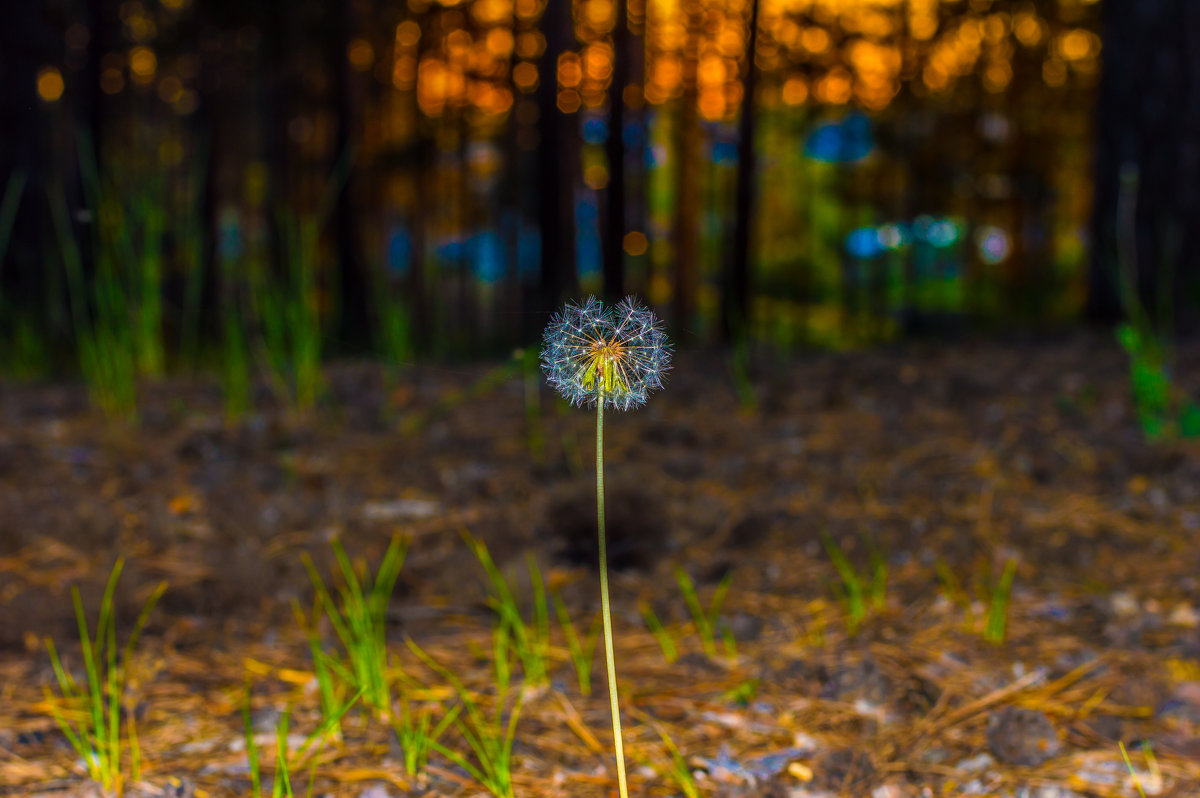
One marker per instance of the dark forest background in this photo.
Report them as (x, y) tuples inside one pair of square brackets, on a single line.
[(432, 178)]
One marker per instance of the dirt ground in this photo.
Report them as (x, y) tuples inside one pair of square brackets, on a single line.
[(944, 459)]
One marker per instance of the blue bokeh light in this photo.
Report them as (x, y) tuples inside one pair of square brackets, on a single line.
[(863, 243), (844, 141)]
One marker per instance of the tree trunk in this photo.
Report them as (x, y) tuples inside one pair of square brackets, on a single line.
[(556, 218), (1148, 126), (614, 227), (25, 42), (687, 194), (735, 298), (354, 312)]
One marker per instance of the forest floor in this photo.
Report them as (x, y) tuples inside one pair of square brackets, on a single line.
[(947, 462)]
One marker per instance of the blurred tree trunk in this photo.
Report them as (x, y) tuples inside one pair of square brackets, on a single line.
[(1148, 127), (27, 41), (614, 227), (512, 211), (207, 136), (354, 313), (554, 194), (279, 102), (735, 298), (687, 189)]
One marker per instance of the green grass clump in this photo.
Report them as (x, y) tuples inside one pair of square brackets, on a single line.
[(287, 762), (531, 641), (289, 315), (677, 771), (1164, 411), (417, 734), (665, 641), (489, 736), (995, 593), (582, 651), (91, 719), (1001, 595), (359, 618), (100, 317), (856, 591), (705, 620)]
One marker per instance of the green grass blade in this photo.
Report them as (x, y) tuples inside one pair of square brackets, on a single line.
[(665, 641)]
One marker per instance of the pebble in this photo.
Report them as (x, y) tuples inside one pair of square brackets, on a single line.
[(1019, 736), (400, 510), (981, 761), (1045, 791), (375, 791)]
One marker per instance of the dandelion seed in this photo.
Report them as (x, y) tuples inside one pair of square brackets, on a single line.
[(596, 354)]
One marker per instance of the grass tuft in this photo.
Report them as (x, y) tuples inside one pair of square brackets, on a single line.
[(359, 618), (531, 641), (489, 736), (705, 620), (287, 762), (90, 719)]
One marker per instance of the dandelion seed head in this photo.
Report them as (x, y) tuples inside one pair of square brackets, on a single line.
[(616, 355)]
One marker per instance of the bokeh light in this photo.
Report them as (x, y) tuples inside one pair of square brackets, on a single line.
[(50, 84)]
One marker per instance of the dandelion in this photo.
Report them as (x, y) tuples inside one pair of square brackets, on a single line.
[(611, 356), (606, 357)]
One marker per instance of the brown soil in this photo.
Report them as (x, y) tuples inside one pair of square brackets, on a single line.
[(968, 456)]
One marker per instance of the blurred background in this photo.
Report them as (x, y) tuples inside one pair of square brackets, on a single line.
[(188, 183)]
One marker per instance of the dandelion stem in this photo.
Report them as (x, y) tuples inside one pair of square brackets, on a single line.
[(608, 644)]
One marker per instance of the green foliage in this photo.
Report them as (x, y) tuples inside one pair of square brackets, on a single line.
[(235, 368), (286, 762), (359, 618), (1001, 595), (739, 367), (996, 593), (417, 734), (393, 324), (531, 641), (665, 641), (100, 316), (489, 736), (582, 652), (678, 771), (743, 692), (855, 591), (289, 315), (1164, 412), (91, 718), (535, 438), (705, 620)]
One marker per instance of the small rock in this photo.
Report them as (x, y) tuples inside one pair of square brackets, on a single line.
[(861, 681), (744, 627), (375, 791), (400, 510), (976, 763), (1045, 791), (1018, 736)]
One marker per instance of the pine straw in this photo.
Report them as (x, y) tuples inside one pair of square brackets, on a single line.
[(838, 445), (188, 683)]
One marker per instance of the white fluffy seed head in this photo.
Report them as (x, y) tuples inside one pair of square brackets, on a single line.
[(615, 355)]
